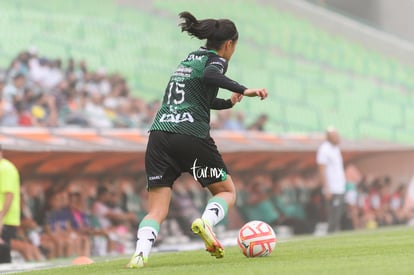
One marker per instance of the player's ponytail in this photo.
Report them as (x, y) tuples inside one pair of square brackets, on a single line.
[(215, 31)]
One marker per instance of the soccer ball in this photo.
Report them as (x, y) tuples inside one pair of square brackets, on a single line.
[(256, 239)]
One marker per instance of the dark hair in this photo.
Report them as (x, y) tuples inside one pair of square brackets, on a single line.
[(216, 31)]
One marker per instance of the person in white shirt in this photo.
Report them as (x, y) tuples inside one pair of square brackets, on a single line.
[(332, 176), (408, 208)]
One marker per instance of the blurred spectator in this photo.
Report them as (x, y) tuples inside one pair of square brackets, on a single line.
[(217, 119), (18, 66), (332, 177), (286, 199), (234, 121), (374, 198), (8, 114), (54, 74), (70, 68), (107, 210), (72, 112), (33, 233), (12, 93), (315, 210), (385, 216), (81, 71), (112, 219), (22, 245), (365, 213), (14, 90), (1, 99), (198, 195), (241, 198), (27, 241), (259, 123), (289, 201), (140, 114), (39, 110), (258, 205), (82, 222), (397, 203), (35, 201), (95, 112), (35, 67), (59, 226), (123, 115), (130, 199), (24, 117), (183, 209), (409, 203), (351, 217)]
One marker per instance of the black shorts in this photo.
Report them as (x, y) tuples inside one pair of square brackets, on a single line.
[(170, 154), (8, 233)]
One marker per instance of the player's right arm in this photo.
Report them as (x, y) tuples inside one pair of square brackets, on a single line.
[(259, 92), (214, 72)]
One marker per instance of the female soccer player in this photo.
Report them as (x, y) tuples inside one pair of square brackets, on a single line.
[(180, 139)]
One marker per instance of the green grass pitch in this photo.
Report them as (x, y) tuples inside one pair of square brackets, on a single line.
[(382, 251)]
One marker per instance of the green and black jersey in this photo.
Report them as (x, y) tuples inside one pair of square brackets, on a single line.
[(192, 92)]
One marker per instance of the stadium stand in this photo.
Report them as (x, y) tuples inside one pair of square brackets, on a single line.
[(300, 64)]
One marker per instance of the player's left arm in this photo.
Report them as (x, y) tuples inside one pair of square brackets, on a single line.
[(221, 104)]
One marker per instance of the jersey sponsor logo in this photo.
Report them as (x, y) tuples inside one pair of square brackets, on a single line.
[(177, 118), (183, 72), (200, 172), (194, 57)]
